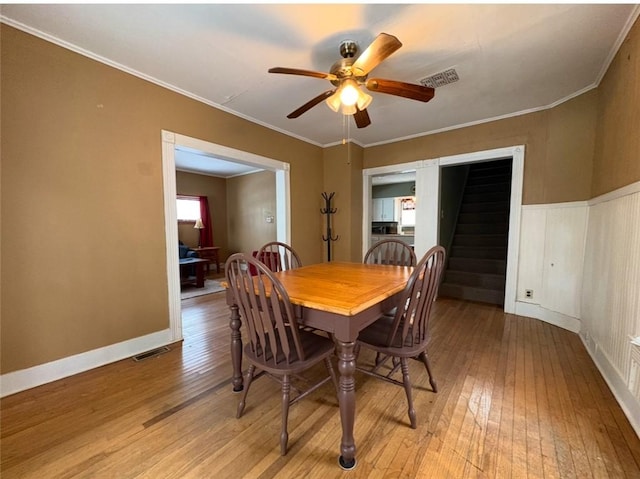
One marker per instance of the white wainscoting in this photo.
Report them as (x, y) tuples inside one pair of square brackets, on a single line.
[(611, 293), (582, 262), (552, 242)]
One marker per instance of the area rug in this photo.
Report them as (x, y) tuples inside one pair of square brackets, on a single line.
[(210, 286)]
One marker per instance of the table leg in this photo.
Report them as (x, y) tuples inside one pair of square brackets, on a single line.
[(347, 400), (199, 275), (236, 348)]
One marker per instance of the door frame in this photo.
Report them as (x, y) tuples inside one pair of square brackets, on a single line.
[(428, 204), (170, 141)]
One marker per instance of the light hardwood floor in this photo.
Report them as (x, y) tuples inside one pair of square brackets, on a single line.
[(517, 398)]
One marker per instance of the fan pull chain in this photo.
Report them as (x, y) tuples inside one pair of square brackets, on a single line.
[(346, 136), (344, 129), (348, 141)]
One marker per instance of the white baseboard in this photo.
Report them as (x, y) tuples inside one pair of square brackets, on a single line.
[(557, 319), (629, 404), (17, 381)]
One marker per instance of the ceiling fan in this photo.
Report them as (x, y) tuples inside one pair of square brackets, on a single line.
[(349, 74)]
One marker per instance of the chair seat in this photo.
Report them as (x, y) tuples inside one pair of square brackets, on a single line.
[(376, 336), (315, 349)]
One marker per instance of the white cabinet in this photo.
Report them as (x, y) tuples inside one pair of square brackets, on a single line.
[(384, 209)]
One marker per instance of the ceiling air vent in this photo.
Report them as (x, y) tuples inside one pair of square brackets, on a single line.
[(440, 79)]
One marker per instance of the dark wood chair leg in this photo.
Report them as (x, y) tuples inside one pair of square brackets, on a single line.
[(247, 382), (427, 365), (284, 435), (404, 365), (236, 348)]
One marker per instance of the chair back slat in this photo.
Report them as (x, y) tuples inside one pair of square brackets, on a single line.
[(391, 252), (279, 256), (410, 326), (266, 310)]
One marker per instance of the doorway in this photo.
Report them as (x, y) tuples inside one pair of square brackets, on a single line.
[(428, 184), (474, 206), (171, 141)]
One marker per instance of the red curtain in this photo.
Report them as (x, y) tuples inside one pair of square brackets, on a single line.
[(206, 233)]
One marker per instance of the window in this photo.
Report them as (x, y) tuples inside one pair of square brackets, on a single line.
[(188, 208)]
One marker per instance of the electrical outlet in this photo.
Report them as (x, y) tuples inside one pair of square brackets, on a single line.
[(528, 293)]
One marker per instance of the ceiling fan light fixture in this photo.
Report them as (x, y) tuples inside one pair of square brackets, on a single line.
[(348, 109), (348, 98), (334, 102), (364, 100), (349, 92)]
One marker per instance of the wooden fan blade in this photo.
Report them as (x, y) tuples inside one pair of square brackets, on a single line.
[(306, 73), (311, 103), (398, 88), (362, 118), (383, 46)]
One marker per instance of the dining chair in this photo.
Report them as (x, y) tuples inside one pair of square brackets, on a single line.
[(279, 256), (391, 252), (405, 335), (276, 346)]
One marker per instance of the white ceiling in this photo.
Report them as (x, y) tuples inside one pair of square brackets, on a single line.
[(511, 59), (390, 178), (199, 162)]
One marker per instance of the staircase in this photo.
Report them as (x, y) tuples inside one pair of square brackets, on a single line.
[(477, 263)]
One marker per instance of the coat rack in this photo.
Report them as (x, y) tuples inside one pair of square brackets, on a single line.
[(328, 210)]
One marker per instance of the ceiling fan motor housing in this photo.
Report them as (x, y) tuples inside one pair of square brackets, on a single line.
[(343, 68)]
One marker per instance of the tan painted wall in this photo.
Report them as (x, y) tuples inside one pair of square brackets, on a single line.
[(215, 189), (568, 163), (250, 199), (83, 246), (357, 161), (530, 130), (343, 175), (617, 150), (557, 143)]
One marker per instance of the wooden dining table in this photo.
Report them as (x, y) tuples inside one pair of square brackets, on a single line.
[(342, 299)]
